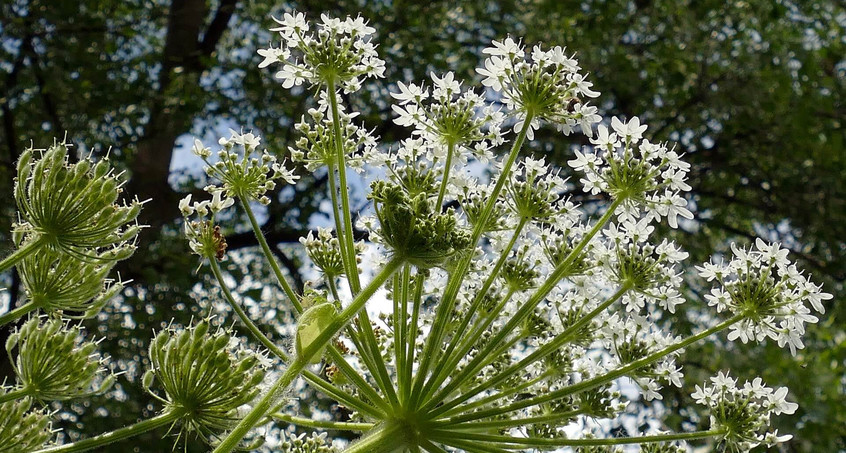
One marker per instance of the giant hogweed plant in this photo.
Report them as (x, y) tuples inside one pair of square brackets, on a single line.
[(515, 313)]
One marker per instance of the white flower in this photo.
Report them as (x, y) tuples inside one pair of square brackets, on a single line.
[(271, 55), (633, 131), (506, 48), (409, 93)]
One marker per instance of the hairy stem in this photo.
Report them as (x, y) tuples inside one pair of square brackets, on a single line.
[(16, 313), (116, 435), (21, 253), (323, 424), (268, 253)]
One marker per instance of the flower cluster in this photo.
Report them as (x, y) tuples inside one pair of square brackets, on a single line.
[(318, 146), (761, 284), (646, 176), (515, 313), (548, 86), (451, 118), (337, 53), (244, 176), (742, 414)]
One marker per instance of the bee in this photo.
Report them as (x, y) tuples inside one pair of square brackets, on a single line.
[(220, 241)]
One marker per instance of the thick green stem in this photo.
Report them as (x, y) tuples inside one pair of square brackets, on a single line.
[(456, 277), (12, 315), (268, 253), (387, 437), (599, 380), (21, 253), (323, 424), (114, 436), (349, 258), (13, 395), (268, 401)]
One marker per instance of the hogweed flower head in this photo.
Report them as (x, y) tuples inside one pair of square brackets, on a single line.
[(74, 207), (206, 377), (515, 312), (648, 177), (338, 52), (53, 363), (762, 284), (243, 174), (23, 430), (743, 413), (546, 86)]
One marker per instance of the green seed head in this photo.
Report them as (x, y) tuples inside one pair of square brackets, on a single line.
[(205, 377), (73, 207), (22, 431), (61, 283), (53, 362)]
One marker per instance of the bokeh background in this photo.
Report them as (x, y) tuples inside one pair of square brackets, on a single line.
[(751, 90)]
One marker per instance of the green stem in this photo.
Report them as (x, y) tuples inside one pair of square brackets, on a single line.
[(528, 307), (21, 253), (13, 395), (450, 150), (242, 315), (345, 236), (537, 354), (12, 315), (268, 401), (387, 437), (313, 379), (336, 216), (447, 304), (268, 253), (445, 367), (323, 424), (114, 436), (352, 273), (602, 379), (510, 441)]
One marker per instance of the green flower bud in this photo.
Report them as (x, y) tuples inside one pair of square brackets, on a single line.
[(203, 378), (410, 227), (54, 363), (72, 207), (312, 323), (22, 431)]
